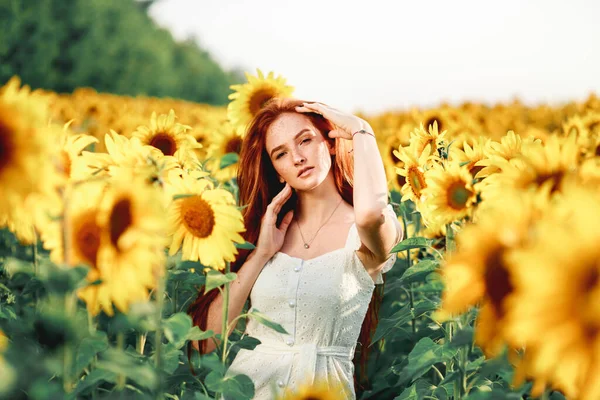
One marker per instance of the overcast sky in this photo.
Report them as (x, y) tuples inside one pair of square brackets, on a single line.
[(379, 55)]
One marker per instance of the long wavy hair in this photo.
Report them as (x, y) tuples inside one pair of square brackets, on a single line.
[(258, 183)]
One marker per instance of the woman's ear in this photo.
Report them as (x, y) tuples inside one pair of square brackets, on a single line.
[(281, 180)]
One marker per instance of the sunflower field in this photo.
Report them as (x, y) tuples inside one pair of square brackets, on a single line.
[(115, 211)]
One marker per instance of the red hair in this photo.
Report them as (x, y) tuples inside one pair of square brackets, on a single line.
[(258, 183)]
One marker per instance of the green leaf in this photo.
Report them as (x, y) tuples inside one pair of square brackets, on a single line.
[(412, 243), (88, 348), (124, 363), (416, 391), (245, 245), (247, 342), (236, 387), (229, 159), (419, 270), (215, 279), (463, 337), (96, 376), (262, 319), (176, 328), (170, 358), (424, 355)]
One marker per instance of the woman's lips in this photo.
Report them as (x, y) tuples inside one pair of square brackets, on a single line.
[(306, 173)]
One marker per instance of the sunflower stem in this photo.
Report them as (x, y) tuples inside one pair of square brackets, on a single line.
[(160, 296), (70, 300), (224, 324), (141, 342), (120, 345)]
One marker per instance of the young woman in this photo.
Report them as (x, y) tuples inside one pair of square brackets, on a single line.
[(317, 210)]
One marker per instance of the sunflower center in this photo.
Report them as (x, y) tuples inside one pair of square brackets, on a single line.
[(416, 180), (497, 280), (589, 285), (86, 234), (6, 145), (197, 216), (120, 220), (234, 145), (259, 99), (555, 177), (164, 143), (458, 195)]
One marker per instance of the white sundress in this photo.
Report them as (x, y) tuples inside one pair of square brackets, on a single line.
[(321, 303)]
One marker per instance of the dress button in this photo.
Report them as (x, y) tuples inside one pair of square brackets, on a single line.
[(280, 384), (289, 342), (291, 303), (296, 269)]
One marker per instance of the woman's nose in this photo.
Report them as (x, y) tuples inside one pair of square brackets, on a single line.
[(298, 157)]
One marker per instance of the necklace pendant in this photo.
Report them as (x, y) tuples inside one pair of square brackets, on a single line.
[(306, 246)]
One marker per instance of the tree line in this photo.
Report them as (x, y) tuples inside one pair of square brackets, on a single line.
[(110, 45)]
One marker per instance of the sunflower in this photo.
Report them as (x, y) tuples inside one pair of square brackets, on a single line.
[(468, 155), (166, 135), (250, 97), (25, 144), (420, 138), (478, 271), (413, 171), (131, 255), (71, 146), (538, 166), (449, 193), (321, 389), (128, 157), (556, 297), (83, 226), (227, 139), (496, 153), (204, 223)]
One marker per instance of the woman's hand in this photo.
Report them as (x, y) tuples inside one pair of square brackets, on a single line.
[(270, 238), (346, 124)]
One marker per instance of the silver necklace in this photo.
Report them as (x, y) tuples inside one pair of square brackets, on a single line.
[(307, 245)]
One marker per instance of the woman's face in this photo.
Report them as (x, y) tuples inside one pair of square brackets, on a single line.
[(293, 143)]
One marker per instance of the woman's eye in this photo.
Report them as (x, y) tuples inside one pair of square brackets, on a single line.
[(305, 140), (279, 156)]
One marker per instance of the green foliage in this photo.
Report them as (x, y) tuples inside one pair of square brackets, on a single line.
[(110, 45)]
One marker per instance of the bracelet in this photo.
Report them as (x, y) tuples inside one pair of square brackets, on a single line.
[(360, 131)]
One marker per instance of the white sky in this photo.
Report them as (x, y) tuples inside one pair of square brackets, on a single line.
[(380, 55)]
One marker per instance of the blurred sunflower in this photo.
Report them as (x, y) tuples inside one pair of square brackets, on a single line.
[(497, 153), (449, 193), (250, 97), (131, 255), (204, 223), (539, 165), (25, 144), (319, 390), (413, 171), (555, 307), (71, 145), (478, 272), (83, 226)]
